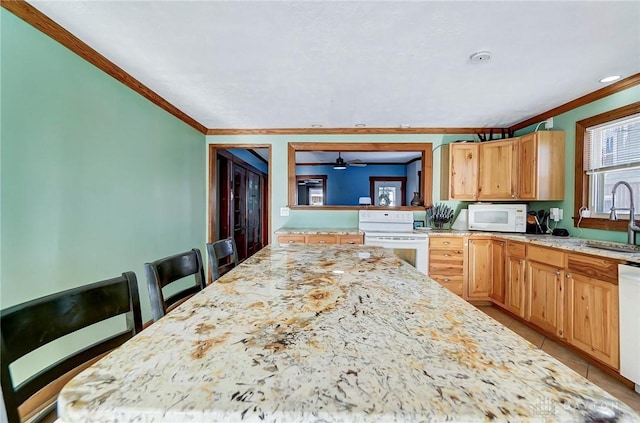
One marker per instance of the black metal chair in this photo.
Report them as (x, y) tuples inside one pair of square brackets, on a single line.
[(223, 256), (28, 326), (165, 271)]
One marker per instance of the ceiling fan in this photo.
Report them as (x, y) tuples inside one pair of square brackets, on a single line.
[(342, 164)]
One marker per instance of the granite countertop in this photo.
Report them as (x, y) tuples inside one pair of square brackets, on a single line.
[(564, 243), (323, 333), (318, 231)]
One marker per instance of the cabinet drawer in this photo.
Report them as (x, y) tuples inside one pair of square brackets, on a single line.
[(322, 239), (452, 283), (594, 267), (290, 239), (446, 269), (546, 255), (446, 256), (517, 249), (446, 243), (350, 239)]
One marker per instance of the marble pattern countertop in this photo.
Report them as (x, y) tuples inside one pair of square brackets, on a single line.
[(318, 231), (563, 243), (331, 333)]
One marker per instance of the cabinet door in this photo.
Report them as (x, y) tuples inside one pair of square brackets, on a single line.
[(592, 317), (254, 213), (527, 151), (498, 254), (480, 267), (463, 171), (240, 210), (515, 285), (544, 308), (498, 170)]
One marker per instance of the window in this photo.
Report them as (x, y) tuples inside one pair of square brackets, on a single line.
[(607, 151), (387, 191)]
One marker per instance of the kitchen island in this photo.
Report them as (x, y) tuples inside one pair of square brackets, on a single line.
[(331, 333)]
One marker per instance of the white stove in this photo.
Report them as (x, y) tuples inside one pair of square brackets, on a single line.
[(394, 230)]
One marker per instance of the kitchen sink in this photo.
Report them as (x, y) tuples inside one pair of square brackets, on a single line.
[(612, 246)]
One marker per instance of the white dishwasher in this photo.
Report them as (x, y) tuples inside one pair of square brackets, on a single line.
[(629, 294)]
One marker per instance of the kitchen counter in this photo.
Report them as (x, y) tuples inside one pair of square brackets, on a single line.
[(318, 231), (563, 243), (303, 333)]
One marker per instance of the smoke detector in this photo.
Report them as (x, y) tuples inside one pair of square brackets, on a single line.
[(480, 56)]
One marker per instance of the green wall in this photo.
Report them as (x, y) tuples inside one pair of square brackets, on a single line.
[(567, 122), (96, 180)]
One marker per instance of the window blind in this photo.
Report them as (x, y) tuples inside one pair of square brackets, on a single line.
[(612, 145)]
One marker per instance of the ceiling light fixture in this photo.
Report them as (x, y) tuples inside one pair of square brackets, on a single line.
[(360, 125), (340, 163), (316, 125), (480, 56), (610, 78)]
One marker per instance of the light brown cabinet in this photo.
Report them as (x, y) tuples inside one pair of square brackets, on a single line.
[(592, 307), (498, 271), (320, 239), (545, 285), (515, 278), (446, 262), (530, 167), (541, 166), (479, 266), (498, 170), (459, 180)]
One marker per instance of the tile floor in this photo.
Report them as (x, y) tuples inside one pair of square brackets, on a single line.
[(568, 358)]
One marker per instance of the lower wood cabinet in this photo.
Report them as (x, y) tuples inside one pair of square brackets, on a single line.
[(545, 285), (498, 271), (515, 277), (321, 239), (446, 262), (480, 266), (592, 307)]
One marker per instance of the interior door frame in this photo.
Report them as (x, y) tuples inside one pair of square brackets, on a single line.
[(213, 188)]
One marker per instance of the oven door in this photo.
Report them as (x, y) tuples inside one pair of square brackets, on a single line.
[(413, 250)]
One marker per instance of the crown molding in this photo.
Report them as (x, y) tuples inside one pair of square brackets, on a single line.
[(354, 131), (43, 23), (621, 85)]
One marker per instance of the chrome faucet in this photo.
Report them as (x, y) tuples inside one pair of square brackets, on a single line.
[(633, 228)]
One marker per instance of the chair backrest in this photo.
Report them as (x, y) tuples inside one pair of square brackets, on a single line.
[(165, 271), (28, 326), (225, 251)]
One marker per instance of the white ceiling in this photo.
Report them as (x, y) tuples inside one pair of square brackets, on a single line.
[(292, 64)]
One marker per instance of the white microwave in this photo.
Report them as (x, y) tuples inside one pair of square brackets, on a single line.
[(498, 217)]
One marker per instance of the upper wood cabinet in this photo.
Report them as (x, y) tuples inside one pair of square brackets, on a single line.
[(460, 180), (541, 166), (498, 170), (530, 167)]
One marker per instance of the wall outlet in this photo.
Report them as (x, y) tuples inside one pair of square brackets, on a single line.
[(554, 214), (586, 213), (548, 123), (284, 211)]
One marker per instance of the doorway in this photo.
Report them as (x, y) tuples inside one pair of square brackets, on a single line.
[(240, 195)]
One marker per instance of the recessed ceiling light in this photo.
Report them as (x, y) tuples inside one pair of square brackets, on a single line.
[(405, 126), (610, 78), (316, 125), (480, 56), (360, 125)]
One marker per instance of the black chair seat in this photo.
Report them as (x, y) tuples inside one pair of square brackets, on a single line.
[(223, 256), (168, 270), (28, 326)]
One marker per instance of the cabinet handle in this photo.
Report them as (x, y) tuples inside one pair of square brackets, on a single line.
[(568, 275), (446, 243), (446, 254), (445, 280), (351, 242), (290, 241), (558, 273), (323, 242)]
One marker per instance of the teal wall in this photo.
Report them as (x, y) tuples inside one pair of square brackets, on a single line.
[(567, 122), (95, 179)]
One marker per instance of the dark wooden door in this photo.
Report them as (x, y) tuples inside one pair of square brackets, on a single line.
[(240, 210), (254, 213)]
